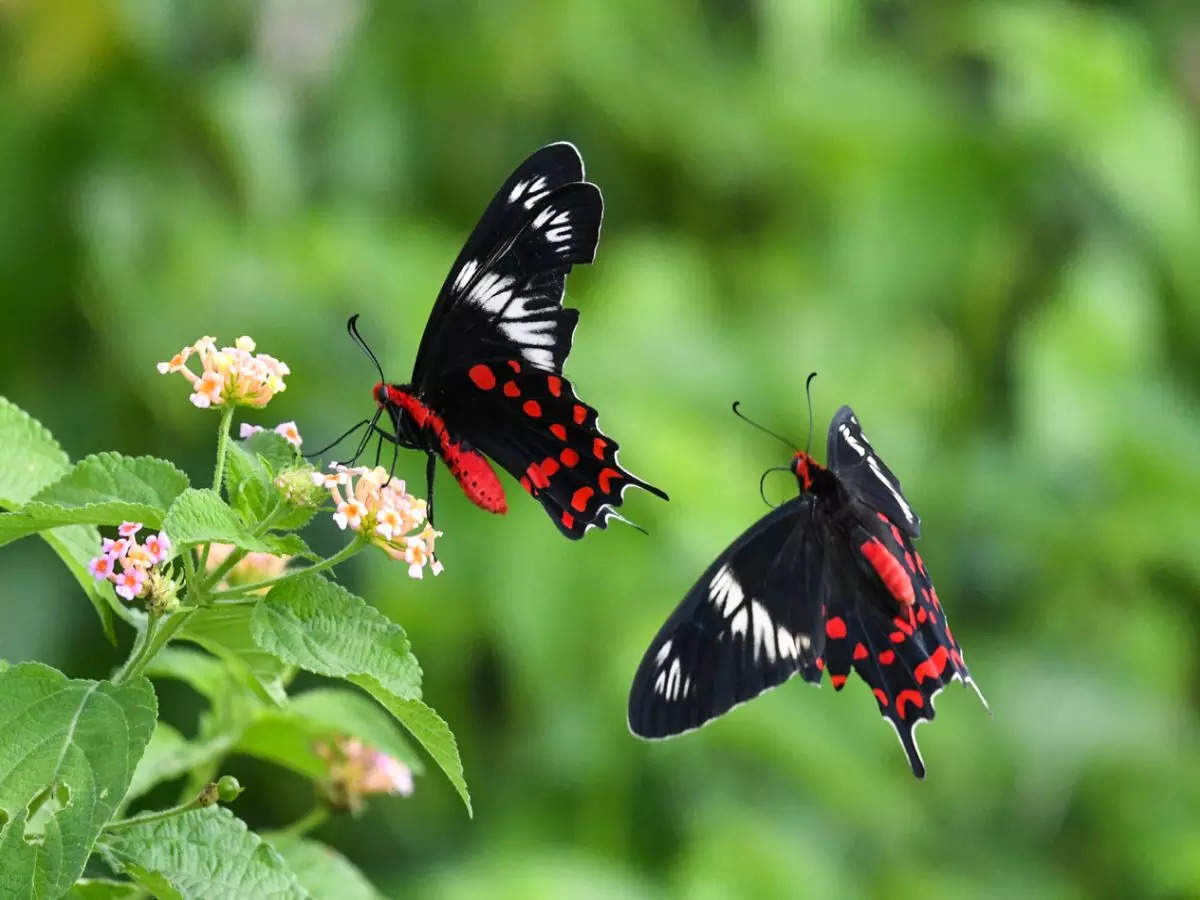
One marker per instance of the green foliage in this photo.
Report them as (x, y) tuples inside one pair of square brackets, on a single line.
[(321, 870), (198, 855), (78, 753), (68, 755)]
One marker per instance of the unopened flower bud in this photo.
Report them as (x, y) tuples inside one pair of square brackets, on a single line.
[(296, 485), (228, 788), (162, 593)]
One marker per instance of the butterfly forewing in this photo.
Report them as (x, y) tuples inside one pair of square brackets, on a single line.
[(851, 457), (749, 624), (503, 296)]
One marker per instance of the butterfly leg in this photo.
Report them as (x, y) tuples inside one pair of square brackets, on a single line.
[(430, 473)]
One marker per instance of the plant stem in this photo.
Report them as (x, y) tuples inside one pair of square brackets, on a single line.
[(341, 556), (137, 659), (222, 442), (314, 818), (198, 802)]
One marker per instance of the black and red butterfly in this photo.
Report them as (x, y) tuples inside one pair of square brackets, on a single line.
[(488, 382), (826, 581)]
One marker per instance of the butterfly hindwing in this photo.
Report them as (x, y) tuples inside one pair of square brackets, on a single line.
[(749, 624), (534, 425), (503, 296), (851, 457)]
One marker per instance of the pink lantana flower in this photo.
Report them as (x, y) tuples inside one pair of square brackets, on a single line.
[(231, 375), (134, 569), (383, 512), (290, 433), (246, 430)]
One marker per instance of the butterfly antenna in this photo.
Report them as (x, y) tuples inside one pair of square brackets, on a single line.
[(762, 484), (778, 437), (358, 339), (808, 394)]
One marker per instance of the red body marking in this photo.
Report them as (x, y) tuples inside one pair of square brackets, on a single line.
[(894, 578), (469, 467)]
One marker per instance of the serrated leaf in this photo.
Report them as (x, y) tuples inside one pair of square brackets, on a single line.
[(290, 545), (201, 516), (322, 870), (103, 889), (170, 755), (288, 737), (430, 730), (35, 460), (224, 631), (323, 628), (200, 855), (32, 456), (69, 752)]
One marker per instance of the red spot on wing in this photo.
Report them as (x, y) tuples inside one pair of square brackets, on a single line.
[(860, 652), (921, 565), (568, 456), (896, 637), (908, 696), (883, 518), (568, 520), (880, 696), (532, 408), (821, 663), (483, 377), (908, 561), (515, 366), (579, 413), (932, 667), (838, 681), (605, 478), (887, 657), (579, 499), (958, 660), (549, 466), (896, 534), (904, 626), (836, 627), (525, 483), (511, 389), (922, 615), (536, 476), (555, 384), (558, 431), (890, 572), (598, 446)]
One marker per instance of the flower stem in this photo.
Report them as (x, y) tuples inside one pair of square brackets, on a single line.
[(341, 556), (314, 818), (138, 658), (222, 443), (206, 797)]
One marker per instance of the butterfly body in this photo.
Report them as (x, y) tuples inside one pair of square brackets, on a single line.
[(487, 382), (827, 582)]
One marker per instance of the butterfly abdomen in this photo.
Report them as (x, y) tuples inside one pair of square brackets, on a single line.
[(469, 467)]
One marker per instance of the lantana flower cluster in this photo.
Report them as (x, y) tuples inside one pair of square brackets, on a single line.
[(377, 506), (229, 375), (357, 770), (130, 566)]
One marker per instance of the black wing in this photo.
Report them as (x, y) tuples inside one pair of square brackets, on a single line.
[(534, 425), (905, 653), (503, 297), (850, 456), (751, 622)]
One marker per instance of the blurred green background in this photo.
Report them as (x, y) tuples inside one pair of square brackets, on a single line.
[(979, 222)]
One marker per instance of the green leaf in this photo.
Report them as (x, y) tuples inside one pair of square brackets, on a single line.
[(69, 752), (170, 755), (32, 456), (225, 632), (288, 737), (322, 870), (36, 460), (201, 854), (103, 889), (201, 516), (323, 628), (430, 730), (290, 545)]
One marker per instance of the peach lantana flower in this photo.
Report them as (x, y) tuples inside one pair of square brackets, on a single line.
[(357, 770), (231, 375), (382, 512), (250, 568)]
